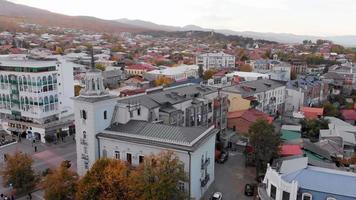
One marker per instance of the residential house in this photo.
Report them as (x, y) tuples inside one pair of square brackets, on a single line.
[(215, 60)]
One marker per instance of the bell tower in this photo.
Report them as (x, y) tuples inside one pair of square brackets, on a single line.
[(93, 111)]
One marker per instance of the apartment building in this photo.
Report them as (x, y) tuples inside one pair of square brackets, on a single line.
[(265, 95), (215, 60), (35, 96)]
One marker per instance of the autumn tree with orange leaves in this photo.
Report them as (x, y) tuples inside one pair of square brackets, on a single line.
[(107, 179), (61, 183)]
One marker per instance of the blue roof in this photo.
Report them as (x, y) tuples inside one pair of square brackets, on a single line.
[(302, 81), (324, 180)]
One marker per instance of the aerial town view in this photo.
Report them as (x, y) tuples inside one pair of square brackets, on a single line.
[(178, 100)]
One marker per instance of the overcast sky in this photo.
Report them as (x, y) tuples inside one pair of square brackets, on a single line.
[(311, 17)]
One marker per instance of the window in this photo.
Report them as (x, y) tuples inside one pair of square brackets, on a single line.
[(117, 155), (86, 165), (234, 128), (139, 111), (285, 195), (84, 135), (307, 196), (105, 114), (129, 158), (141, 159), (181, 186), (273, 191), (83, 114)]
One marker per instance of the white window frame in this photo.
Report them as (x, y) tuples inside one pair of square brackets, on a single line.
[(117, 154), (308, 195)]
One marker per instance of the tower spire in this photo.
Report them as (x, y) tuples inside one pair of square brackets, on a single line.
[(92, 58)]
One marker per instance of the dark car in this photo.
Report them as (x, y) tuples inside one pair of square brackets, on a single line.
[(224, 156), (250, 189)]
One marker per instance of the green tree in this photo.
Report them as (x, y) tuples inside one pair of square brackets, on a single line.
[(331, 110), (100, 66), (311, 128), (18, 172), (265, 143), (61, 183), (159, 176)]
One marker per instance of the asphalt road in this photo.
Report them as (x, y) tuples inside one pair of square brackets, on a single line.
[(231, 177)]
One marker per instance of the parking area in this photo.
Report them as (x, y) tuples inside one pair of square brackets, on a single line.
[(231, 177)]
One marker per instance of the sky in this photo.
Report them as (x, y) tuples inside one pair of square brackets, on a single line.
[(304, 17)]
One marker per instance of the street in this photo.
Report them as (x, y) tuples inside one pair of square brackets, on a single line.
[(231, 177), (47, 156)]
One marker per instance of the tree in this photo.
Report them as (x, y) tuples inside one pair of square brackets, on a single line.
[(201, 71), (331, 110), (311, 128), (100, 66), (61, 183), (265, 143), (246, 68), (163, 80), (159, 176), (208, 74), (59, 50), (77, 89), (18, 172), (107, 179)]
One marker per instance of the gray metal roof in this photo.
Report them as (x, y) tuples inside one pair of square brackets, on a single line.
[(250, 88), (94, 99), (185, 138), (172, 95)]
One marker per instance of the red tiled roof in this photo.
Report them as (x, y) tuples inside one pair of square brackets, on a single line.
[(349, 114), (312, 113), (251, 115), (290, 150)]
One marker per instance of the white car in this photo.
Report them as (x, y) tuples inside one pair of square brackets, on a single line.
[(216, 196)]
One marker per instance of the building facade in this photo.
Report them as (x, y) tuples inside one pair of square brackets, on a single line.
[(132, 128), (215, 60), (35, 96)]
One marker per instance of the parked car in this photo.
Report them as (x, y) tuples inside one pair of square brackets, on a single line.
[(250, 189), (224, 156), (216, 196)]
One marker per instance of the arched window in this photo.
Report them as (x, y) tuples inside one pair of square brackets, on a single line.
[(51, 99), (46, 100), (307, 196), (105, 114), (49, 79), (56, 98)]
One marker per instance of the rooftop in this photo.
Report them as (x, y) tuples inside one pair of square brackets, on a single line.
[(250, 88), (185, 138)]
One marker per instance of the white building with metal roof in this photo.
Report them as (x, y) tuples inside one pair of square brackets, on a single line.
[(107, 126)]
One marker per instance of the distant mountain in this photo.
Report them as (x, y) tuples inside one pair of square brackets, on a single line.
[(278, 37), (12, 13)]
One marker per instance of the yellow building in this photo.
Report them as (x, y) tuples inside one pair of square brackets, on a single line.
[(237, 103)]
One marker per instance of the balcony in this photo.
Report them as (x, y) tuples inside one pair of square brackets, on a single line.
[(204, 181), (85, 157), (205, 164)]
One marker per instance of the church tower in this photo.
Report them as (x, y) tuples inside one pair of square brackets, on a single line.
[(93, 111)]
